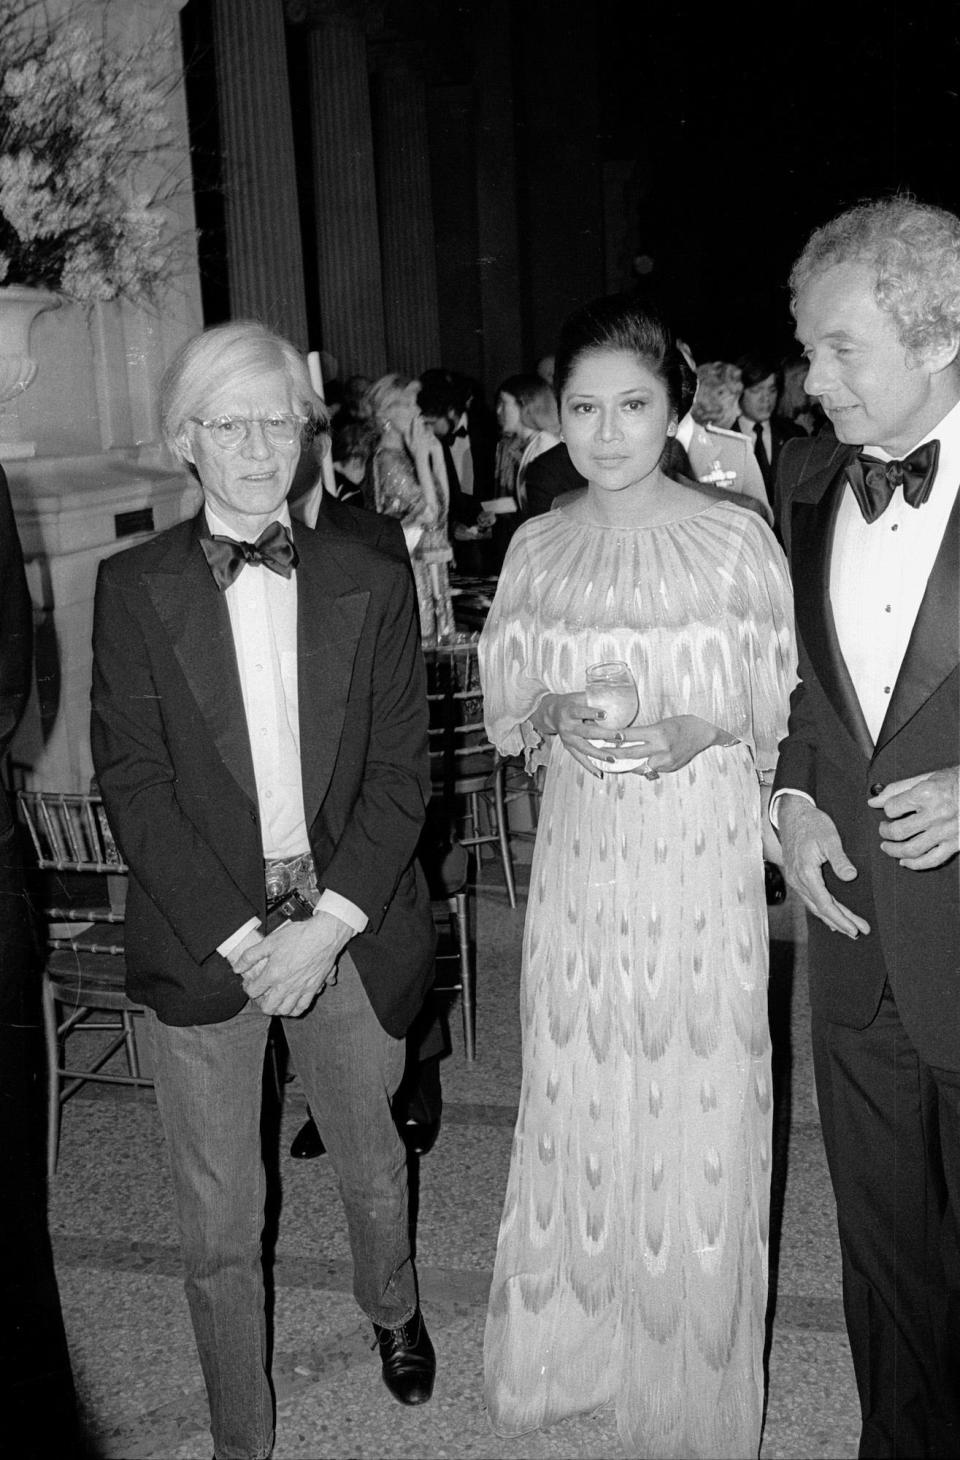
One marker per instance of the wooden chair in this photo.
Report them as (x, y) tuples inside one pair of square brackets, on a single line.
[(444, 857), (446, 866), (83, 979), (479, 772)]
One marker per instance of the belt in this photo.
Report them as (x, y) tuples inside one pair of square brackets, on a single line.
[(282, 875)]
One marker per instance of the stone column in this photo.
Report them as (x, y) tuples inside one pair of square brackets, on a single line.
[(348, 240), (264, 255), (505, 346), (407, 236)]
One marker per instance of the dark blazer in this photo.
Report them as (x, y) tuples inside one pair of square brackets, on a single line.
[(173, 760), (781, 432), (550, 475), (336, 517), (828, 752)]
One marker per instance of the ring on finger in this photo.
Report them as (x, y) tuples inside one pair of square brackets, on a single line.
[(651, 775), (618, 738)]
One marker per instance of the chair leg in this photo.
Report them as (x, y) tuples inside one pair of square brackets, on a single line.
[(130, 1042), (476, 829), (459, 906), (52, 1043), (503, 831)]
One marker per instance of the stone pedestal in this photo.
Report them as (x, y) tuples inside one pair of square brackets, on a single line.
[(71, 512), (99, 480)]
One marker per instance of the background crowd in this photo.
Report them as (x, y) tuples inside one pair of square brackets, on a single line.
[(461, 473)]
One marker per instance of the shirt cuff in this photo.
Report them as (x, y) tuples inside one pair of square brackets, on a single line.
[(228, 944), (773, 813), (342, 908)]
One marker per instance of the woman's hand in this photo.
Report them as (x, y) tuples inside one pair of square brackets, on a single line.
[(668, 745), (576, 723)]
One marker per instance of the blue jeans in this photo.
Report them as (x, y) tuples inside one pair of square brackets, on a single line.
[(208, 1079)]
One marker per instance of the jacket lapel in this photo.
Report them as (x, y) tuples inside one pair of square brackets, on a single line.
[(331, 612), (934, 648), (816, 502), (195, 615)]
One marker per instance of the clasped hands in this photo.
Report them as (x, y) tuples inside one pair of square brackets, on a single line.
[(284, 972), (920, 829), (666, 746)]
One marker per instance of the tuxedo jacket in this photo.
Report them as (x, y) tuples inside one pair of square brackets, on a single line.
[(172, 756), (781, 432), (829, 753)]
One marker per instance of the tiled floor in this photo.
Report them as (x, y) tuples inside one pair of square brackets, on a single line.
[(118, 1267)]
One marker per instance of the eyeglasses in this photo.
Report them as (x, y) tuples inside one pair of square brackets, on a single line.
[(229, 433)]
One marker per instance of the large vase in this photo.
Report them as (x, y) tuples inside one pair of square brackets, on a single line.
[(19, 306)]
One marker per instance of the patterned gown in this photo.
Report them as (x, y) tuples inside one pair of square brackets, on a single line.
[(632, 1259)]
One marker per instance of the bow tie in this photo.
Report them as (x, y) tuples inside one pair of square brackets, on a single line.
[(874, 482), (460, 434), (228, 557)]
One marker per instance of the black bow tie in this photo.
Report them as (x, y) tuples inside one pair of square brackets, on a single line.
[(874, 482), (460, 434), (227, 557)]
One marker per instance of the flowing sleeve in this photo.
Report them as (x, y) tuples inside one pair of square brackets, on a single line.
[(510, 671), (769, 649)]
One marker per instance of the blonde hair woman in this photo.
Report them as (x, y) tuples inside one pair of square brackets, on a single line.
[(408, 480)]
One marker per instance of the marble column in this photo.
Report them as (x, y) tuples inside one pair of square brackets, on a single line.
[(407, 235), (264, 254), (498, 237), (348, 240)]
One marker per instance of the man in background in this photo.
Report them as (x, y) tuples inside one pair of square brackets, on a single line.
[(35, 1378), (757, 416)]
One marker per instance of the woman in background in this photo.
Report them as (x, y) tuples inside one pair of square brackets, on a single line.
[(632, 1259), (407, 479)]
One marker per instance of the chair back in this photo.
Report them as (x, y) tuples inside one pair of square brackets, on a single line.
[(459, 748), (70, 833)]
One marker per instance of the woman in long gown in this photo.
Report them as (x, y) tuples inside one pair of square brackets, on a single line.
[(408, 480), (632, 1259)]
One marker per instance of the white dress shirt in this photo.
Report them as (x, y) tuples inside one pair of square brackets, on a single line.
[(462, 455), (878, 576), (263, 616), (879, 572), (749, 429)]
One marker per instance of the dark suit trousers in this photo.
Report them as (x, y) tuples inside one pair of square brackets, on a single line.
[(891, 1126), (36, 1385)]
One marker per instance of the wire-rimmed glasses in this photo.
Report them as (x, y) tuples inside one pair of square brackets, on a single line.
[(229, 433)]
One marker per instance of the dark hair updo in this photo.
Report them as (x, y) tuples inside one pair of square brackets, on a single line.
[(620, 322)]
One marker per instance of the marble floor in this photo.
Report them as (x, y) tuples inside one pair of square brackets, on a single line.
[(132, 1348)]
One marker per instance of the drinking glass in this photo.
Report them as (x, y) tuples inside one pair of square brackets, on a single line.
[(612, 688)]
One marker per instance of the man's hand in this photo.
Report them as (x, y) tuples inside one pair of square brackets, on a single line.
[(809, 839), (284, 972), (922, 828)]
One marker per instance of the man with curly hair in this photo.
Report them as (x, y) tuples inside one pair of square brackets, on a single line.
[(868, 787)]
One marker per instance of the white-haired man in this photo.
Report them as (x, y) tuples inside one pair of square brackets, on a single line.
[(259, 733), (866, 794)]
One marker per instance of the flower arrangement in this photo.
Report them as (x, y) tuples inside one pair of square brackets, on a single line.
[(83, 138)]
